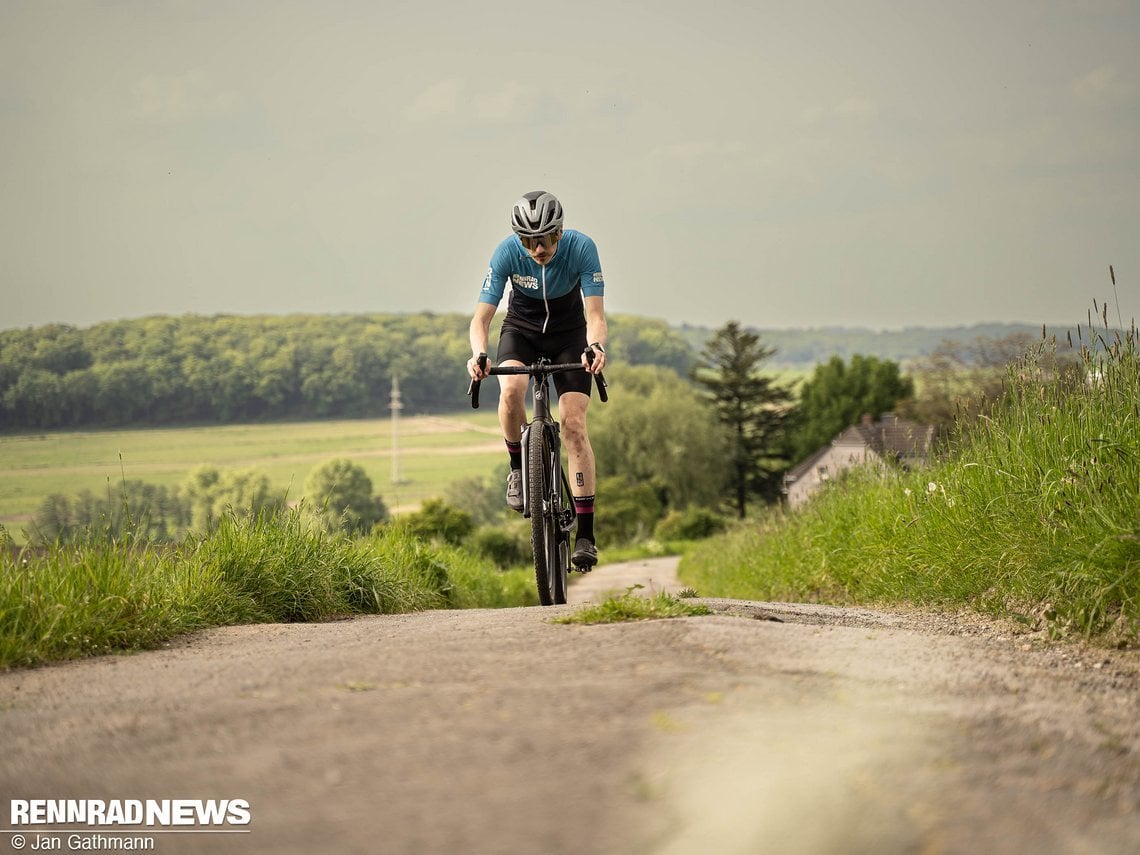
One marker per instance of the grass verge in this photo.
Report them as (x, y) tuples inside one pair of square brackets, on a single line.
[(79, 600), (1035, 515)]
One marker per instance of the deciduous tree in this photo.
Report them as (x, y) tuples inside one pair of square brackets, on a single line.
[(838, 394), (661, 433), (957, 379), (211, 492), (341, 491)]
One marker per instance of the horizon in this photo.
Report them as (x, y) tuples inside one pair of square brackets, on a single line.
[(680, 325)]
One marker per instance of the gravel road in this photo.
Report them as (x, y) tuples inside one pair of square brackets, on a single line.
[(763, 728)]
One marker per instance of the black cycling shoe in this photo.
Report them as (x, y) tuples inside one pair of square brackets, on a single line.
[(585, 554)]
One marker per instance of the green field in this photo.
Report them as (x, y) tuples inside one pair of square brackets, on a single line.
[(434, 451)]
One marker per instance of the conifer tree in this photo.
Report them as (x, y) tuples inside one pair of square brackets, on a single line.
[(751, 406)]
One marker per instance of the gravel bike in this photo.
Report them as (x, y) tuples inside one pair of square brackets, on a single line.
[(547, 500)]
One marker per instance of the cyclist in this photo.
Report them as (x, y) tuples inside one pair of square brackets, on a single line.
[(555, 311)]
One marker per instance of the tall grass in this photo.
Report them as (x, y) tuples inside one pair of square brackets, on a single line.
[(97, 597), (1034, 513)]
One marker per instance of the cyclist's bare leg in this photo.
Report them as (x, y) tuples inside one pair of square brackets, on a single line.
[(512, 402), (572, 416)]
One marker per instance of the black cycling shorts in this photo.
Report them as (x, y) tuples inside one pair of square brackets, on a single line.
[(527, 347)]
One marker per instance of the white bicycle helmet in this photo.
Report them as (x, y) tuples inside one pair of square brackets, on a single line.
[(535, 214)]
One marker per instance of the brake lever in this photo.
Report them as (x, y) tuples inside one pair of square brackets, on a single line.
[(473, 386), (599, 380)]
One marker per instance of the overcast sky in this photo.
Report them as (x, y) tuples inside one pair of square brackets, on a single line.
[(865, 163)]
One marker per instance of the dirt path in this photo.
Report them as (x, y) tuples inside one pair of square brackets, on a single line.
[(764, 728), (652, 574)]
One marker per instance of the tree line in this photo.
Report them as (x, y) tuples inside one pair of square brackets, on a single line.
[(220, 369)]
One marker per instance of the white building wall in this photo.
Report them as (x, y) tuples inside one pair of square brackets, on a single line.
[(835, 460)]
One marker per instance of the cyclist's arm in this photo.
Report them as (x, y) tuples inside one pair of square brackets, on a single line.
[(494, 284), (596, 330), (480, 332)]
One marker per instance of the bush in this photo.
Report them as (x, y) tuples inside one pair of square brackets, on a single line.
[(690, 524), (342, 491), (481, 497), (505, 547), (627, 511), (437, 520)]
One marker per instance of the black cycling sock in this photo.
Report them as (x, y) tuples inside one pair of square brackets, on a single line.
[(514, 449), (584, 505)]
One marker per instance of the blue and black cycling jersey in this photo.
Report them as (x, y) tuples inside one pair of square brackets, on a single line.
[(545, 298)]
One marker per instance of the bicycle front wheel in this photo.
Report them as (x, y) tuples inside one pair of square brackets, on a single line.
[(542, 503)]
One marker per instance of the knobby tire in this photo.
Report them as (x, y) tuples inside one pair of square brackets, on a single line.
[(549, 569)]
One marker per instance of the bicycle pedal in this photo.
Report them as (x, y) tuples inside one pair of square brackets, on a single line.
[(583, 570)]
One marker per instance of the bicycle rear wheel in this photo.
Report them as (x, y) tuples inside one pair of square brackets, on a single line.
[(549, 567)]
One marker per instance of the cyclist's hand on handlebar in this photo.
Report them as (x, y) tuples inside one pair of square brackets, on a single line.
[(478, 366), (594, 359)]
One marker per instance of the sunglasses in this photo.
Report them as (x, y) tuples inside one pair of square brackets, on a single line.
[(548, 240)]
